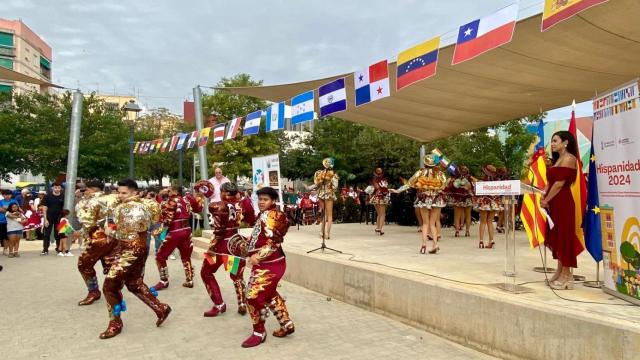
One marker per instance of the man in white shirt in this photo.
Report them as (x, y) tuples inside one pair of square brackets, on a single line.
[(217, 181)]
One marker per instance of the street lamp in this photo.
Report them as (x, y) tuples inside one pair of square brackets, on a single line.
[(132, 109)]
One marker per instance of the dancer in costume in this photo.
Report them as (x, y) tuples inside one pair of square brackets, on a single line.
[(132, 219), (175, 215), (268, 263), (429, 183), (93, 212), (487, 207), (460, 191), (227, 216), (380, 198), (325, 181)]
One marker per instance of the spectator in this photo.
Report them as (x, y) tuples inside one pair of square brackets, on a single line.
[(4, 205), (217, 180), (20, 198), (352, 193), (362, 201), (65, 231), (33, 220), (37, 204), (52, 204), (15, 226)]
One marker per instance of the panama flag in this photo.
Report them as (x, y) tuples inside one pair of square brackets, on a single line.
[(181, 141), (252, 123), (489, 32), (232, 129), (275, 117), (371, 83), (302, 108), (417, 63), (193, 138), (218, 134), (332, 97)]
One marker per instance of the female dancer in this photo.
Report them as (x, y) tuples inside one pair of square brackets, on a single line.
[(429, 183), (487, 207), (562, 239), (380, 198), (461, 198), (326, 183)]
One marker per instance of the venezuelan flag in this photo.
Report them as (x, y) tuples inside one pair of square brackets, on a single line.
[(533, 219), (417, 63)]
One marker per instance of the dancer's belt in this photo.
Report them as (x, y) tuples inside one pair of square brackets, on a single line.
[(181, 223)]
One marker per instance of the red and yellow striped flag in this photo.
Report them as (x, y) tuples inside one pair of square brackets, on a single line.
[(579, 187), (533, 219)]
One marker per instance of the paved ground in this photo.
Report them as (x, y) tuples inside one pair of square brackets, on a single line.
[(39, 319)]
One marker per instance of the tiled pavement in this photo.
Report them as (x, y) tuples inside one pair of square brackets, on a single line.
[(39, 319)]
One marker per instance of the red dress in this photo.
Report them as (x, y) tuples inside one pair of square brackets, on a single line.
[(562, 239)]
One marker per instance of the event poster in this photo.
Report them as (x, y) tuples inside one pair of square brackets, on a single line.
[(266, 172), (616, 139)]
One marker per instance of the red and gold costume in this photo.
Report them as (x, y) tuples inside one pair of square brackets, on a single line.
[(429, 183), (132, 219), (326, 181), (266, 239), (460, 190), (484, 202), (227, 216), (93, 213), (175, 215), (381, 195)]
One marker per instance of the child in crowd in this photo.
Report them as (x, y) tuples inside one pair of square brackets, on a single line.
[(65, 230), (15, 227)]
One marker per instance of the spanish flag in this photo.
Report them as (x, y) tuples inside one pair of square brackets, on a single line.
[(579, 187), (533, 219), (556, 11)]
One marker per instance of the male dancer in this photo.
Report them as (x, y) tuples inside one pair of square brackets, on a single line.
[(93, 212), (227, 216), (132, 219), (268, 266), (176, 212)]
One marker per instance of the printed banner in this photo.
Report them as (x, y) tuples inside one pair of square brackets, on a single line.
[(616, 140), (266, 172)]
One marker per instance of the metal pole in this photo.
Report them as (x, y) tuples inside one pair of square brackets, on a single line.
[(202, 150), (74, 146), (422, 154), (180, 157), (132, 173)]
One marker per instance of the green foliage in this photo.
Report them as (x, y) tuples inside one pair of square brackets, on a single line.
[(235, 156)]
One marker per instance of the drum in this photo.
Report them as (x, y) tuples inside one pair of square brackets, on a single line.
[(238, 245)]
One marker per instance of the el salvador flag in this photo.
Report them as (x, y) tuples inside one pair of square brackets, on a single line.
[(332, 97), (275, 117), (252, 123), (302, 108)]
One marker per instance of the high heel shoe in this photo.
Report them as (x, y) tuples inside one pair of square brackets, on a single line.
[(481, 245), (434, 250), (423, 249), (466, 234), (377, 230), (491, 244), (381, 232), (567, 284), (457, 234)]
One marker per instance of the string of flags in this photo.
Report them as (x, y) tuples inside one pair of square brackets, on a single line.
[(372, 83)]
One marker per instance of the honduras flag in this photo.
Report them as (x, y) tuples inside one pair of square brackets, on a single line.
[(275, 117), (252, 123), (591, 222), (302, 108), (333, 97)]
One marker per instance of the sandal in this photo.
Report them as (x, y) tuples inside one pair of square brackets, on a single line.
[(434, 250), (423, 249), (457, 234), (490, 246), (481, 244), (466, 234)]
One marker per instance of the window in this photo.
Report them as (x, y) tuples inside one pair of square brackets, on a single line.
[(6, 63), (5, 88), (45, 67), (6, 39)]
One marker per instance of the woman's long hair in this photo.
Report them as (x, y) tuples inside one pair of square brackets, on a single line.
[(572, 145)]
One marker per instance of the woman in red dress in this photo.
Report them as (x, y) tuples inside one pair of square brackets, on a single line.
[(562, 238)]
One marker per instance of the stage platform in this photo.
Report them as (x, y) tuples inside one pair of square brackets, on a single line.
[(453, 293)]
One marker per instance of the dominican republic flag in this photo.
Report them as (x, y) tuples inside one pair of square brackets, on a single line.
[(218, 134), (193, 138), (275, 117), (182, 137), (332, 97), (232, 129), (252, 123), (302, 108), (371, 83), (417, 63), (489, 32)]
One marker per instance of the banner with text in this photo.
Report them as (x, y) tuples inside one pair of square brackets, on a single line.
[(616, 139), (266, 172)]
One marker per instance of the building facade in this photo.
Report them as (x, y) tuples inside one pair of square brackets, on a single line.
[(23, 51)]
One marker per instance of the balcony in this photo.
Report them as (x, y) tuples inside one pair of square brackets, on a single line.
[(7, 51)]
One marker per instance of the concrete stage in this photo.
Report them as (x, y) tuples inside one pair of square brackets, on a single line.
[(451, 293)]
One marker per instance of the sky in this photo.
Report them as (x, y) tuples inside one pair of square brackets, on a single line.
[(159, 50)]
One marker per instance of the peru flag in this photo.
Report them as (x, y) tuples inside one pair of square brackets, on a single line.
[(487, 33)]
